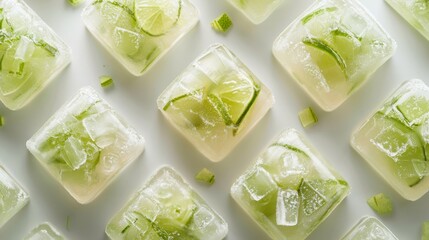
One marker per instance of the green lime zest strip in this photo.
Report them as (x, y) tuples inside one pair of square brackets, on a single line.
[(51, 49), (381, 204), (323, 46), (256, 92), (345, 33), (192, 93), (318, 12), (307, 117), (205, 176), (105, 81), (290, 147), (222, 23)]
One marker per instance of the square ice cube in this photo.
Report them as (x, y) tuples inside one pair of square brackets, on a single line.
[(290, 189), (394, 139), (44, 232), (12, 197), (416, 12), (31, 54), (332, 49), (139, 32), (85, 145), (166, 208), (369, 228), (256, 10), (215, 102)]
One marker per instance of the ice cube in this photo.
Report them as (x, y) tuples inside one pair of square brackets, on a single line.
[(44, 231), (12, 197), (85, 145), (287, 210), (259, 184), (393, 139), (256, 10), (166, 205), (369, 228)]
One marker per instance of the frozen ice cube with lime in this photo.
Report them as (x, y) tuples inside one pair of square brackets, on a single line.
[(31, 54), (290, 189), (215, 102), (138, 32), (166, 208), (394, 140), (256, 11), (12, 196), (44, 231), (85, 145), (332, 48), (369, 228)]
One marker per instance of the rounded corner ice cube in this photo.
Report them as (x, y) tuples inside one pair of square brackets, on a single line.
[(85, 145), (166, 208), (256, 11), (215, 102), (12, 196), (331, 49), (44, 231), (137, 33), (290, 189), (394, 139), (369, 228), (31, 53), (415, 12)]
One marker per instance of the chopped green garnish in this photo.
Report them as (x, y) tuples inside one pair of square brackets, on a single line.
[(68, 223), (106, 81), (205, 176), (222, 23), (307, 117), (1, 121), (75, 2), (425, 230), (381, 204)]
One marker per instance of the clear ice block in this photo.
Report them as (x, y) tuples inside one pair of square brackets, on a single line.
[(215, 102), (290, 189), (256, 10), (369, 228), (31, 54), (85, 145), (416, 12), (166, 208), (44, 232), (12, 197), (139, 32), (394, 140), (332, 49)]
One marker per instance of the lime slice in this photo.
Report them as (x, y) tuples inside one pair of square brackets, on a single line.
[(156, 17), (222, 23), (414, 109), (401, 144), (116, 14), (234, 95), (316, 13), (324, 56)]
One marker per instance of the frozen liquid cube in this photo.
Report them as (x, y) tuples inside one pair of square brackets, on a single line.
[(215, 102), (332, 49), (166, 208), (416, 12), (290, 189), (85, 145), (31, 54), (12, 197), (369, 228), (256, 10), (44, 232), (139, 32), (394, 139)]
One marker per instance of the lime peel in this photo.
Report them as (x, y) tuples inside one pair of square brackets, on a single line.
[(106, 81), (205, 176), (222, 23), (318, 12), (381, 204)]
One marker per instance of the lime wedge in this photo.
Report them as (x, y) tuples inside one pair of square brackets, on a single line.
[(156, 17), (325, 54), (401, 144), (414, 109)]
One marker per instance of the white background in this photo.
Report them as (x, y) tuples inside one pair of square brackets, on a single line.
[(135, 99)]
